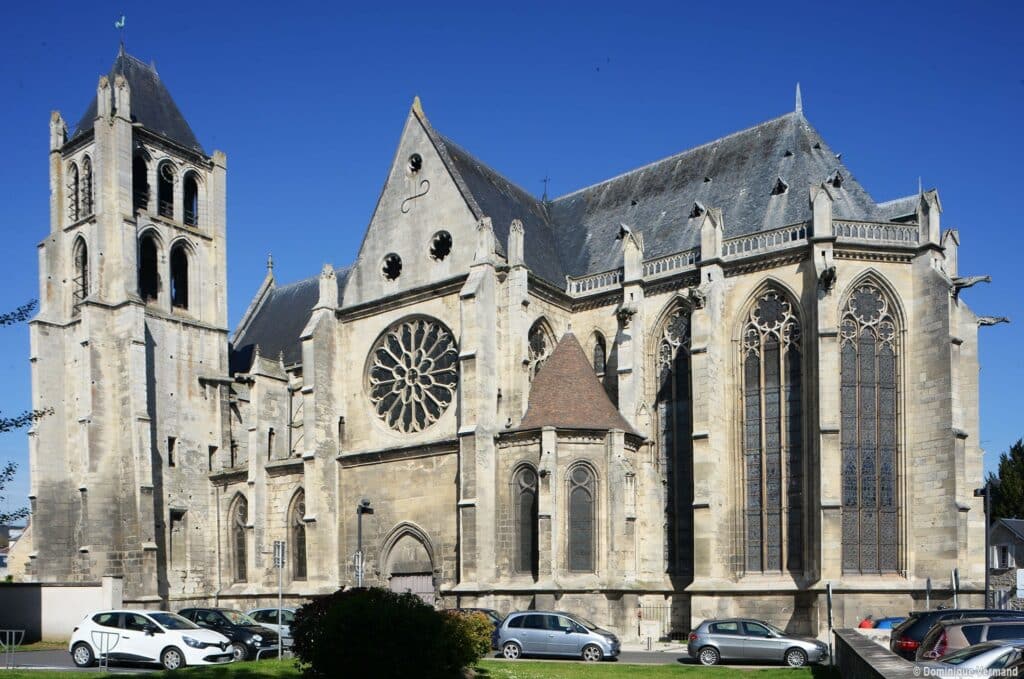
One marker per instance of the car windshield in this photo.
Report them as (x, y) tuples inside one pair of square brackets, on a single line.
[(172, 621), (586, 623), (238, 618)]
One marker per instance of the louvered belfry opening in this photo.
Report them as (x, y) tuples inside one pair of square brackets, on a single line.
[(149, 277)]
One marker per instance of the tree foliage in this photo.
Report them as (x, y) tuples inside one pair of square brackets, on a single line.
[(7, 424), (1008, 484), (378, 633)]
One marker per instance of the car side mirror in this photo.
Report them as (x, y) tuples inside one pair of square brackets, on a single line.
[(153, 629)]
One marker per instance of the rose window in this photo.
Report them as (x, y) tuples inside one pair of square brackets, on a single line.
[(413, 374)]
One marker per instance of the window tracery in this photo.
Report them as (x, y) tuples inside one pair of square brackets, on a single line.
[(869, 406), (87, 195), (239, 517), (297, 528), (541, 343), (773, 435), (675, 438), (413, 374), (524, 488), (581, 519), (81, 279)]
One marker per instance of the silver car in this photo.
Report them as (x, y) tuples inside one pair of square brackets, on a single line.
[(976, 660), (742, 639), (268, 618), (554, 633)]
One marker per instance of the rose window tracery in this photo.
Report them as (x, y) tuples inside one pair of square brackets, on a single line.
[(413, 374)]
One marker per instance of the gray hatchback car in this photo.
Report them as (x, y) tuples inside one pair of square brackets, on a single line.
[(742, 639), (554, 633)]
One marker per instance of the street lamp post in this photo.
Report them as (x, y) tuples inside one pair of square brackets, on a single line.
[(362, 508)]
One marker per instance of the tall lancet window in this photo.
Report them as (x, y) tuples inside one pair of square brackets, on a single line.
[(238, 518), (773, 435), (581, 519), (675, 440), (297, 528), (869, 404), (524, 497)]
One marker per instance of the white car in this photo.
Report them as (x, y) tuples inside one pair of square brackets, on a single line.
[(148, 637), (268, 618)]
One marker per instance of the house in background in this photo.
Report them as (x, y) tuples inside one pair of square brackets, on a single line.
[(1006, 537)]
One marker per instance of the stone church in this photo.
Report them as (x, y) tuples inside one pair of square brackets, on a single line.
[(705, 387)]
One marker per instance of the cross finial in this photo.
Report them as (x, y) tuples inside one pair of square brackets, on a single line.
[(799, 100), (545, 180)]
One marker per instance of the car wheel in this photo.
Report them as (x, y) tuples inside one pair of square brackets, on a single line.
[(708, 655), (239, 651), (82, 655), (592, 653), (511, 651), (172, 659), (796, 658)]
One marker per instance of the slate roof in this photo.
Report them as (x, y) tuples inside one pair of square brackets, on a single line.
[(575, 234), (567, 394), (735, 173), (1016, 526), (151, 104), (276, 325), (503, 201)]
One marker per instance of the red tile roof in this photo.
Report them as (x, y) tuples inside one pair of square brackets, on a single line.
[(567, 394)]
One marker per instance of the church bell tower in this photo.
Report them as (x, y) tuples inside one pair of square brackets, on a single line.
[(129, 348)]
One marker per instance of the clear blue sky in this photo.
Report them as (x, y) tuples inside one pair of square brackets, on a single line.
[(308, 101)]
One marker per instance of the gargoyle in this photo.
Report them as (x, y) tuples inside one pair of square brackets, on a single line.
[(992, 320), (961, 282), (625, 314), (827, 278)]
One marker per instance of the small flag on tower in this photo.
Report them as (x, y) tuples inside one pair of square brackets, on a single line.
[(119, 23)]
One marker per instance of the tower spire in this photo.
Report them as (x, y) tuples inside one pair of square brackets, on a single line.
[(799, 100)]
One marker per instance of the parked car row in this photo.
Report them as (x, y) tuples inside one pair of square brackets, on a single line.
[(964, 639), (193, 636)]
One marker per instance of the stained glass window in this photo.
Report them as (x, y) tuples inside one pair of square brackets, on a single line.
[(675, 440), (541, 343), (773, 435), (599, 356), (239, 517), (581, 519), (524, 490), (869, 403), (297, 528), (413, 374)]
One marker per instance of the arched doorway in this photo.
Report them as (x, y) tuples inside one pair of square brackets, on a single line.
[(410, 564)]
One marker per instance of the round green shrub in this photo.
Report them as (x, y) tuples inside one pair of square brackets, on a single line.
[(377, 633)]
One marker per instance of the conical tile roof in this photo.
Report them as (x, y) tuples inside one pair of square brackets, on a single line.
[(567, 394)]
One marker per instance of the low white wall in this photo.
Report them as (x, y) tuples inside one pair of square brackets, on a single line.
[(50, 611)]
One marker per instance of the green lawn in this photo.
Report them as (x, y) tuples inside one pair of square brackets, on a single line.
[(497, 669), (489, 669)]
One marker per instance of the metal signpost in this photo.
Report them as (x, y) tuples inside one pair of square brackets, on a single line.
[(928, 594), (955, 579), (279, 565)]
